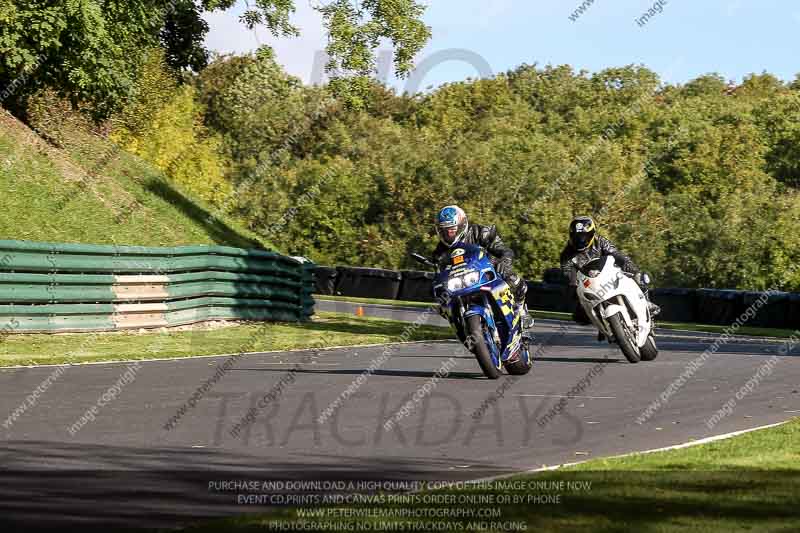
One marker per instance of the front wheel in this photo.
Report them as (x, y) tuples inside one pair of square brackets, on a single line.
[(625, 338), (649, 351), (477, 344), (523, 364)]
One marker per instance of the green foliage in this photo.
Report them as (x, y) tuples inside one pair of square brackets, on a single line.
[(162, 124), (260, 110), (92, 50), (696, 181), (89, 50), (356, 29), (55, 119)]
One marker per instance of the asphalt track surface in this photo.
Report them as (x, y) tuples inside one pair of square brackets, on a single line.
[(125, 468)]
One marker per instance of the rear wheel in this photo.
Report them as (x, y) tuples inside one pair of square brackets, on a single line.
[(477, 341), (649, 351), (625, 338)]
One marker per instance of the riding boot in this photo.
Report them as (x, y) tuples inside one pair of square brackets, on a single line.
[(653, 308), (520, 292)]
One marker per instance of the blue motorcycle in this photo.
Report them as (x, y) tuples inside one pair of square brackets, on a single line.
[(480, 306)]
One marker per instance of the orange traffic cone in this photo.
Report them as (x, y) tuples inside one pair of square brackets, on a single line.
[(359, 311)]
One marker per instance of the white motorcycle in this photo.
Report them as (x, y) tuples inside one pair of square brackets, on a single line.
[(617, 307)]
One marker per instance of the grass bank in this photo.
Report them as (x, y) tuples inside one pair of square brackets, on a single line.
[(94, 192)]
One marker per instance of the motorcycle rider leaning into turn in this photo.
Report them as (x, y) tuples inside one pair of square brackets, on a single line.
[(584, 245), (452, 227)]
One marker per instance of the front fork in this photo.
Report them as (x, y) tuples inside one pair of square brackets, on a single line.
[(454, 313)]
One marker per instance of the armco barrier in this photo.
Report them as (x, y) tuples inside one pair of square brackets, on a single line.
[(775, 312), (703, 306), (793, 320), (71, 287), (368, 282), (416, 286), (677, 305), (718, 306), (547, 297), (554, 276), (325, 280)]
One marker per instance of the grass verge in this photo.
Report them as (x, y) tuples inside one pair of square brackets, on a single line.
[(377, 301), (402, 303), (336, 328), (746, 483)]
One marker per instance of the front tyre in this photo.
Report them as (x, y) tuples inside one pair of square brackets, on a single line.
[(649, 351), (521, 366), (477, 345), (625, 338)]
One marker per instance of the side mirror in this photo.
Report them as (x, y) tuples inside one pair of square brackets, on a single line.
[(419, 258)]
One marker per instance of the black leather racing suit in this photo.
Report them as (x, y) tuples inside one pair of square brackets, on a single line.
[(487, 238), (571, 258)]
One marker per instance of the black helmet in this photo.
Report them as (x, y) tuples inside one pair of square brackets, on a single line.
[(581, 232)]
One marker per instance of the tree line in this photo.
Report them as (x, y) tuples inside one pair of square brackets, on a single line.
[(697, 181)]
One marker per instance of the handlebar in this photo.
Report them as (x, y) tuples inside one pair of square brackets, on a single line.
[(419, 258)]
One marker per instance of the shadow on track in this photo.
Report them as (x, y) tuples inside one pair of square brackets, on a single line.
[(358, 371), (578, 360), (49, 484)]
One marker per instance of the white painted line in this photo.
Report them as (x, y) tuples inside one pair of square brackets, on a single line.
[(305, 364), (567, 396), (664, 449), (191, 357)]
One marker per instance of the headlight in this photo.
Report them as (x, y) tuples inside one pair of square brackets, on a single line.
[(590, 296), (471, 278), (467, 279), (454, 284)]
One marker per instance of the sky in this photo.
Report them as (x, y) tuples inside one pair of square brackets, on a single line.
[(484, 37)]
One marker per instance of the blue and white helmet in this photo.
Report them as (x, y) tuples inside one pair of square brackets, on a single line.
[(451, 224)]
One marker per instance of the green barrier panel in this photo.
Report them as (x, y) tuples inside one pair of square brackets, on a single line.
[(75, 287), (214, 275), (55, 293), (55, 279), (69, 263), (56, 309), (308, 288), (64, 323), (87, 322), (8, 247), (226, 288), (217, 301), (111, 249), (188, 316)]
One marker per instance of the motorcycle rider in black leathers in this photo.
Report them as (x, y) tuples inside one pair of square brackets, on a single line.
[(452, 227), (584, 245)]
